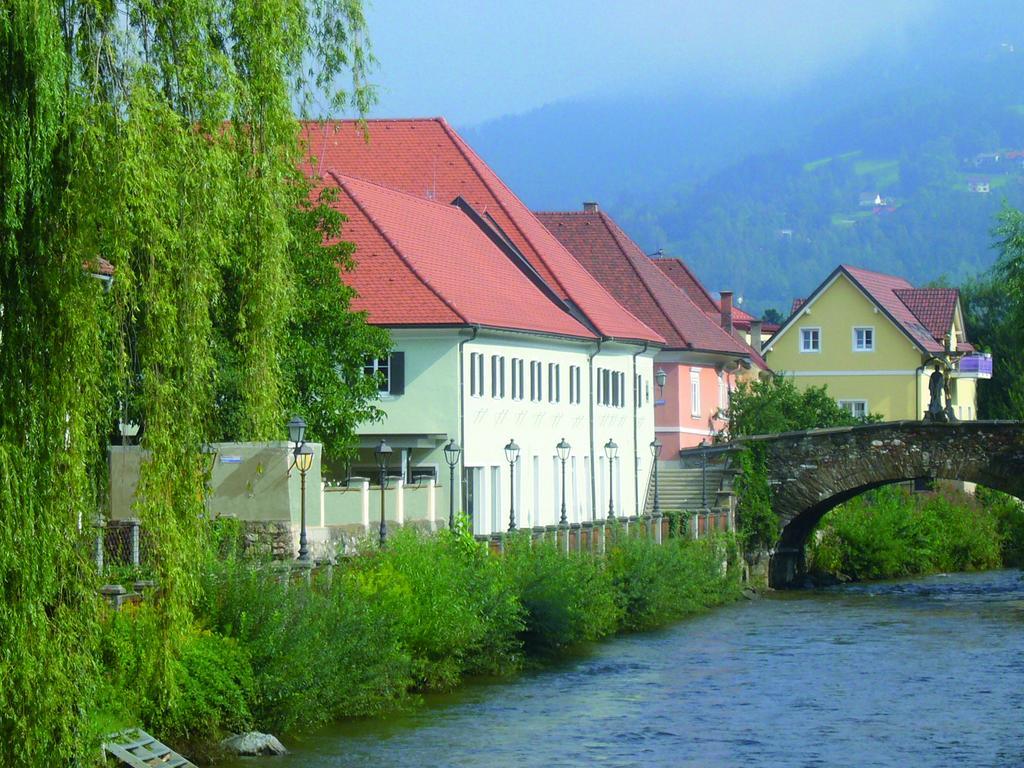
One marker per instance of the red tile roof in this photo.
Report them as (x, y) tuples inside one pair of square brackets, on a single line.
[(427, 159), (924, 314), (622, 267), (424, 263), (680, 274)]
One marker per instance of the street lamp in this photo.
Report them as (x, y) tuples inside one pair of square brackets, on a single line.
[(451, 455), (660, 377), (383, 454), (656, 453), (611, 450), (303, 461), (297, 430), (209, 452), (563, 449), (512, 454)]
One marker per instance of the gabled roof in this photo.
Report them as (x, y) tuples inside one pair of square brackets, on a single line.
[(624, 269), (925, 315), (425, 158), (679, 273), (423, 263)]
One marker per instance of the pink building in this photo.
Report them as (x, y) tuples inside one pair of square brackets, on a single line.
[(702, 355)]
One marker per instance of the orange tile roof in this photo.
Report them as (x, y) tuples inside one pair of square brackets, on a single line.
[(425, 158), (419, 262)]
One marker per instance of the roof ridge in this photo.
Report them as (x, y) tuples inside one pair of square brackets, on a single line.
[(475, 161), (387, 238), (611, 226)]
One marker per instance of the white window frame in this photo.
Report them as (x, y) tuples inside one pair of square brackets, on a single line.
[(382, 365), (695, 394), (574, 384), (804, 347), (870, 329), (851, 403), (554, 383), (518, 384), (536, 381), (476, 374), (498, 377)]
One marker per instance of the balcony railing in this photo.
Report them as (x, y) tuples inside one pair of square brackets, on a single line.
[(975, 367)]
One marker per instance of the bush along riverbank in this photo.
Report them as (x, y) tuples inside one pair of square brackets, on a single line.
[(891, 532), (283, 652)]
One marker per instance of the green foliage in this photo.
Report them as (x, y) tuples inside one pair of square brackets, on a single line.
[(1009, 516), (567, 599), (655, 584), (890, 533), (774, 404), (454, 606), (318, 650), (757, 521)]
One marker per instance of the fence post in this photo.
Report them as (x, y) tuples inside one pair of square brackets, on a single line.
[(135, 542)]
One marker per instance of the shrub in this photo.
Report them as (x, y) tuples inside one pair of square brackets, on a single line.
[(567, 599), (451, 604), (319, 650), (655, 584)]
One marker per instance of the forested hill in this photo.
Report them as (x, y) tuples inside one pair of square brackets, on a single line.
[(899, 164)]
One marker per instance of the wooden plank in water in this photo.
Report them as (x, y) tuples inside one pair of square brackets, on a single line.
[(137, 749)]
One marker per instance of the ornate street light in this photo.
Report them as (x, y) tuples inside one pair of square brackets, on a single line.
[(512, 454), (383, 454), (563, 449), (660, 377), (656, 454), (297, 430), (452, 451), (611, 450), (209, 452), (303, 461)]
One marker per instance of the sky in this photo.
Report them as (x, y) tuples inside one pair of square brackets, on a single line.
[(473, 61)]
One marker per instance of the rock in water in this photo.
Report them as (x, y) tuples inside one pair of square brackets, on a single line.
[(254, 743)]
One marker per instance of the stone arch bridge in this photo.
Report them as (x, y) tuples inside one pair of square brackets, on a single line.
[(811, 472)]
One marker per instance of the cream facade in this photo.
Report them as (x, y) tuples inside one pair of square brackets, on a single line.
[(842, 339), (484, 387)]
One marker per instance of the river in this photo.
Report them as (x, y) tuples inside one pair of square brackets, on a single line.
[(928, 672)]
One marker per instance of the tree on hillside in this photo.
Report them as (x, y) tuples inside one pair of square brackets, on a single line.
[(160, 137)]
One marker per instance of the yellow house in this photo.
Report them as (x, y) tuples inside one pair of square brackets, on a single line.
[(875, 340)]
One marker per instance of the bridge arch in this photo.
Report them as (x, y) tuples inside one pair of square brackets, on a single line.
[(812, 472)]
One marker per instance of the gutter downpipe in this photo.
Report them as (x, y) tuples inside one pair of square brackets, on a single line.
[(593, 456), (637, 402), (462, 423)]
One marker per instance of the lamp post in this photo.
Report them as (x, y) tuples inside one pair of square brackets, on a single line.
[(563, 449), (512, 454), (297, 430), (656, 454), (452, 451), (303, 461), (209, 452), (611, 450), (383, 454), (660, 377)]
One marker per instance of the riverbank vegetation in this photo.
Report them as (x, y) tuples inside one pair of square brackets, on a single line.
[(891, 532), (285, 651)]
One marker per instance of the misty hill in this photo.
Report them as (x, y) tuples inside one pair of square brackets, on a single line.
[(898, 162)]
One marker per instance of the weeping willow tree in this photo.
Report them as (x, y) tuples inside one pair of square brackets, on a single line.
[(162, 138)]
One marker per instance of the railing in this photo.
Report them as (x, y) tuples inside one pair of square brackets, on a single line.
[(975, 366)]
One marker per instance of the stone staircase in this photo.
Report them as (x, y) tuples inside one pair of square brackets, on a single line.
[(687, 489)]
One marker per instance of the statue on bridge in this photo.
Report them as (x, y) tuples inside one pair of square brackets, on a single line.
[(939, 389)]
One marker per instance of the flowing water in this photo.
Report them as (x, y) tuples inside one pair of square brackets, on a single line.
[(912, 673)]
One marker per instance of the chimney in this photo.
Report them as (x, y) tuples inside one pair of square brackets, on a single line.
[(726, 305), (590, 207), (755, 335)]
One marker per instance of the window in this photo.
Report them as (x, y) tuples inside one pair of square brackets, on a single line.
[(517, 378), (863, 339), (380, 368), (390, 372), (606, 387), (536, 382), (554, 383), (857, 408), (476, 374), (574, 384), (695, 394), (616, 389), (638, 391), (810, 339), (497, 377), (723, 392)]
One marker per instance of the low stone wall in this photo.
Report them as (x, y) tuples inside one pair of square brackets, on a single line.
[(267, 539)]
